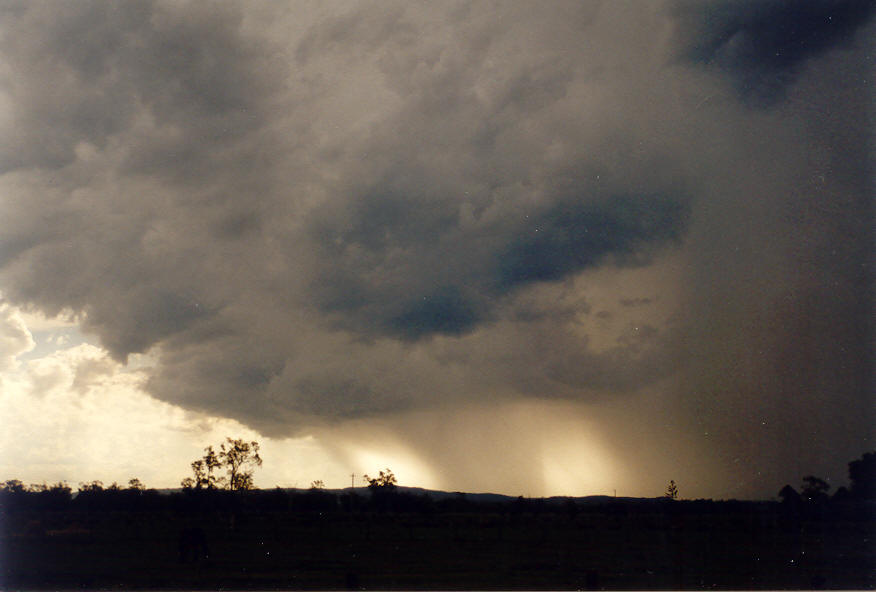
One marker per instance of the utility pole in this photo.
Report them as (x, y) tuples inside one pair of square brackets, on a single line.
[(352, 480)]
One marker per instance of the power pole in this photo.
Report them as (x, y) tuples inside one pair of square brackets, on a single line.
[(352, 480)]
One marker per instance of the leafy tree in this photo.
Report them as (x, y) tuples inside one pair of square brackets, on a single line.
[(238, 457), (92, 487), (672, 490), (57, 495), (384, 496), (841, 495), (13, 486), (136, 485), (61, 486), (318, 484), (862, 476), (386, 481), (789, 495), (814, 489), (204, 472)]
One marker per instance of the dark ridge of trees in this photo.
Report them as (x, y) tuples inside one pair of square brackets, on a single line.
[(317, 502), (214, 492), (814, 491), (13, 494)]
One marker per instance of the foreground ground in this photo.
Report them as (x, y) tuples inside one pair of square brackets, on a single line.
[(613, 546)]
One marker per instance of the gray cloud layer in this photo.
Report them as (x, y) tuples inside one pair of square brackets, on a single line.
[(315, 212)]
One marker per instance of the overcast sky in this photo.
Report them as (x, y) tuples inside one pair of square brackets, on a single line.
[(531, 248)]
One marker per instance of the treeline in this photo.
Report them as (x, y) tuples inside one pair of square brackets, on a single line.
[(816, 491), (15, 498), (383, 495), (93, 497)]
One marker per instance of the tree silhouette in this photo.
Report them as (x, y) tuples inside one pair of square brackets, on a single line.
[(386, 481), (239, 458), (841, 495), (672, 490), (383, 493), (862, 475), (92, 487), (789, 495), (814, 489), (204, 472), (13, 486), (193, 545)]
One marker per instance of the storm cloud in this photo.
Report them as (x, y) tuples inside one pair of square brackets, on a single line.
[(310, 214), (764, 45)]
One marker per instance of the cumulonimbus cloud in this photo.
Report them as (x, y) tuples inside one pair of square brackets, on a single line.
[(311, 214)]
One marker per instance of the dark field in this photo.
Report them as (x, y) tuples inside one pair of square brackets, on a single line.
[(329, 543)]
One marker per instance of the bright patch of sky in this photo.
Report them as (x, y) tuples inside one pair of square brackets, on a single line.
[(73, 414)]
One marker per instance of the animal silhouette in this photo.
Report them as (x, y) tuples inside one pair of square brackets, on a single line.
[(193, 545)]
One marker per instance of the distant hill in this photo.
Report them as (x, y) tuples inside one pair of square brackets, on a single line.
[(438, 494)]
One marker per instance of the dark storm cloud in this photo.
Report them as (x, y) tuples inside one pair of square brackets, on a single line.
[(83, 41), (574, 236), (93, 66), (762, 45), (160, 92), (444, 311), (310, 213), (549, 244)]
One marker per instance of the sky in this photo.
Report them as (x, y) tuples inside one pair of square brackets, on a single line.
[(564, 248)]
